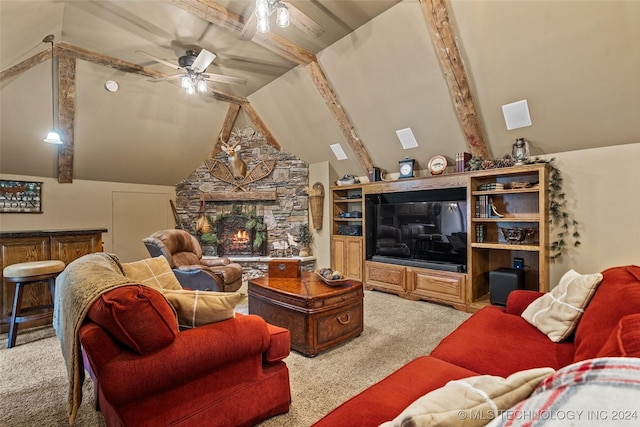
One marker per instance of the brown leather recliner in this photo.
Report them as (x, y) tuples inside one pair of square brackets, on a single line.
[(184, 254)]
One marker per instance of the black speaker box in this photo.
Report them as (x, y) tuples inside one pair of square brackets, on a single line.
[(502, 281)]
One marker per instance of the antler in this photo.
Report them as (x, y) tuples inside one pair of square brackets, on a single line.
[(228, 148)]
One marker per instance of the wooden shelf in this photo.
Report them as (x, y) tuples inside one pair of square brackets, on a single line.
[(506, 246), (508, 191), (347, 201), (347, 251), (508, 219)]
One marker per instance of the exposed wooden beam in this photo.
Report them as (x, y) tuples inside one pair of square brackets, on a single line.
[(227, 127), (129, 67), (66, 115), (321, 82), (227, 97), (107, 61), (260, 125), (27, 64), (216, 14), (437, 18)]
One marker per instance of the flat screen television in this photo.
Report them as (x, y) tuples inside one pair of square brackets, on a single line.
[(424, 228)]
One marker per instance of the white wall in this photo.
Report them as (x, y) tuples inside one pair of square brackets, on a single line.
[(321, 245), (90, 204), (603, 194)]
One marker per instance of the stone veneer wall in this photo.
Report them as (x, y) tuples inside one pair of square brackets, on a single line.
[(289, 179)]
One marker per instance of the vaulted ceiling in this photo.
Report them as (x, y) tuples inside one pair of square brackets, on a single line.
[(575, 62)]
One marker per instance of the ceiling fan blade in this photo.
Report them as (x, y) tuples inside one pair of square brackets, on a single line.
[(225, 79), (167, 78), (204, 59), (302, 21), (160, 60)]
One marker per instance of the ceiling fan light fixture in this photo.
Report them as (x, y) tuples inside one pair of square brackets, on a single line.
[(186, 81), (202, 86), (282, 16), (191, 90)]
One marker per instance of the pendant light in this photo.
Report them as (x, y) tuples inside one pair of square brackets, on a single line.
[(52, 137)]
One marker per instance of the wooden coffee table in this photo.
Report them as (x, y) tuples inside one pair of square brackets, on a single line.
[(318, 316)]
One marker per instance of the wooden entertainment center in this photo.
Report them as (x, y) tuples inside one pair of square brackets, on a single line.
[(519, 196)]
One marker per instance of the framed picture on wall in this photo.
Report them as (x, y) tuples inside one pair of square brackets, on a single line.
[(20, 196)]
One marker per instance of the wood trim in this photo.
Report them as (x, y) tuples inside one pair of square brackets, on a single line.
[(227, 126), (437, 17), (66, 115), (248, 109), (324, 87)]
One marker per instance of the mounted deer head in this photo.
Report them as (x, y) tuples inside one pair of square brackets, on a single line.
[(237, 165)]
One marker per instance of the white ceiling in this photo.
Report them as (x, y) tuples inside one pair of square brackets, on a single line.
[(575, 62)]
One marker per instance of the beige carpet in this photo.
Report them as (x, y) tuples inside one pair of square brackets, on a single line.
[(33, 378)]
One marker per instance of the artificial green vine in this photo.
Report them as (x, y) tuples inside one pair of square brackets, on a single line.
[(558, 214)]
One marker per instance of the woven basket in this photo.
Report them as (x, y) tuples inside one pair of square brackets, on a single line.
[(316, 203)]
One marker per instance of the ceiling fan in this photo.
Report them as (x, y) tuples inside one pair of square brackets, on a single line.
[(193, 66)]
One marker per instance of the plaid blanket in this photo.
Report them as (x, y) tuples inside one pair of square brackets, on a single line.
[(597, 392)]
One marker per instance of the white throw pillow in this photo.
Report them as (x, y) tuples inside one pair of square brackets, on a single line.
[(470, 401), (557, 313)]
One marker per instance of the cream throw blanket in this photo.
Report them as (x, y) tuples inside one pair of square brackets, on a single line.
[(77, 287)]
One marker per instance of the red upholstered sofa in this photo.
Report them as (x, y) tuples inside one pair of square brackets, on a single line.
[(146, 373), (498, 341)]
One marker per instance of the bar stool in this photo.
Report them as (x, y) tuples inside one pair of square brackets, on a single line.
[(28, 273)]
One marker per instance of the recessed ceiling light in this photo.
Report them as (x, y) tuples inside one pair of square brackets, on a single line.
[(338, 151), (516, 114), (406, 138), (111, 86)]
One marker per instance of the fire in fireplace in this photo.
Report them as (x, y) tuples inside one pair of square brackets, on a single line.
[(235, 239)]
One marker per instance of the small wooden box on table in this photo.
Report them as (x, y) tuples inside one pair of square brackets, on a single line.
[(318, 316)]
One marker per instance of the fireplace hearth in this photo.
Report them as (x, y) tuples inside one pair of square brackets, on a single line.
[(235, 240)]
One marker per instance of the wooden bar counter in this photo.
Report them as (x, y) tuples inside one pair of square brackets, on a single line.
[(37, 245)]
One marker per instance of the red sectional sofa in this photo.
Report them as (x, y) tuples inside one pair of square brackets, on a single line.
[(498, 341)]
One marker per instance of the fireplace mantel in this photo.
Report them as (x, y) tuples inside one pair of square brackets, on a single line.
[(228, 196)]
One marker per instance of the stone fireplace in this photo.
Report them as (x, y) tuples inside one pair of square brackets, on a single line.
[(280, 199), (235, 240)]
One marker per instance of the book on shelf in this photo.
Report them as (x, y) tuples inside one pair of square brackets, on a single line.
[(491, 186), (481, 232), (485, 208), (462, 161)]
